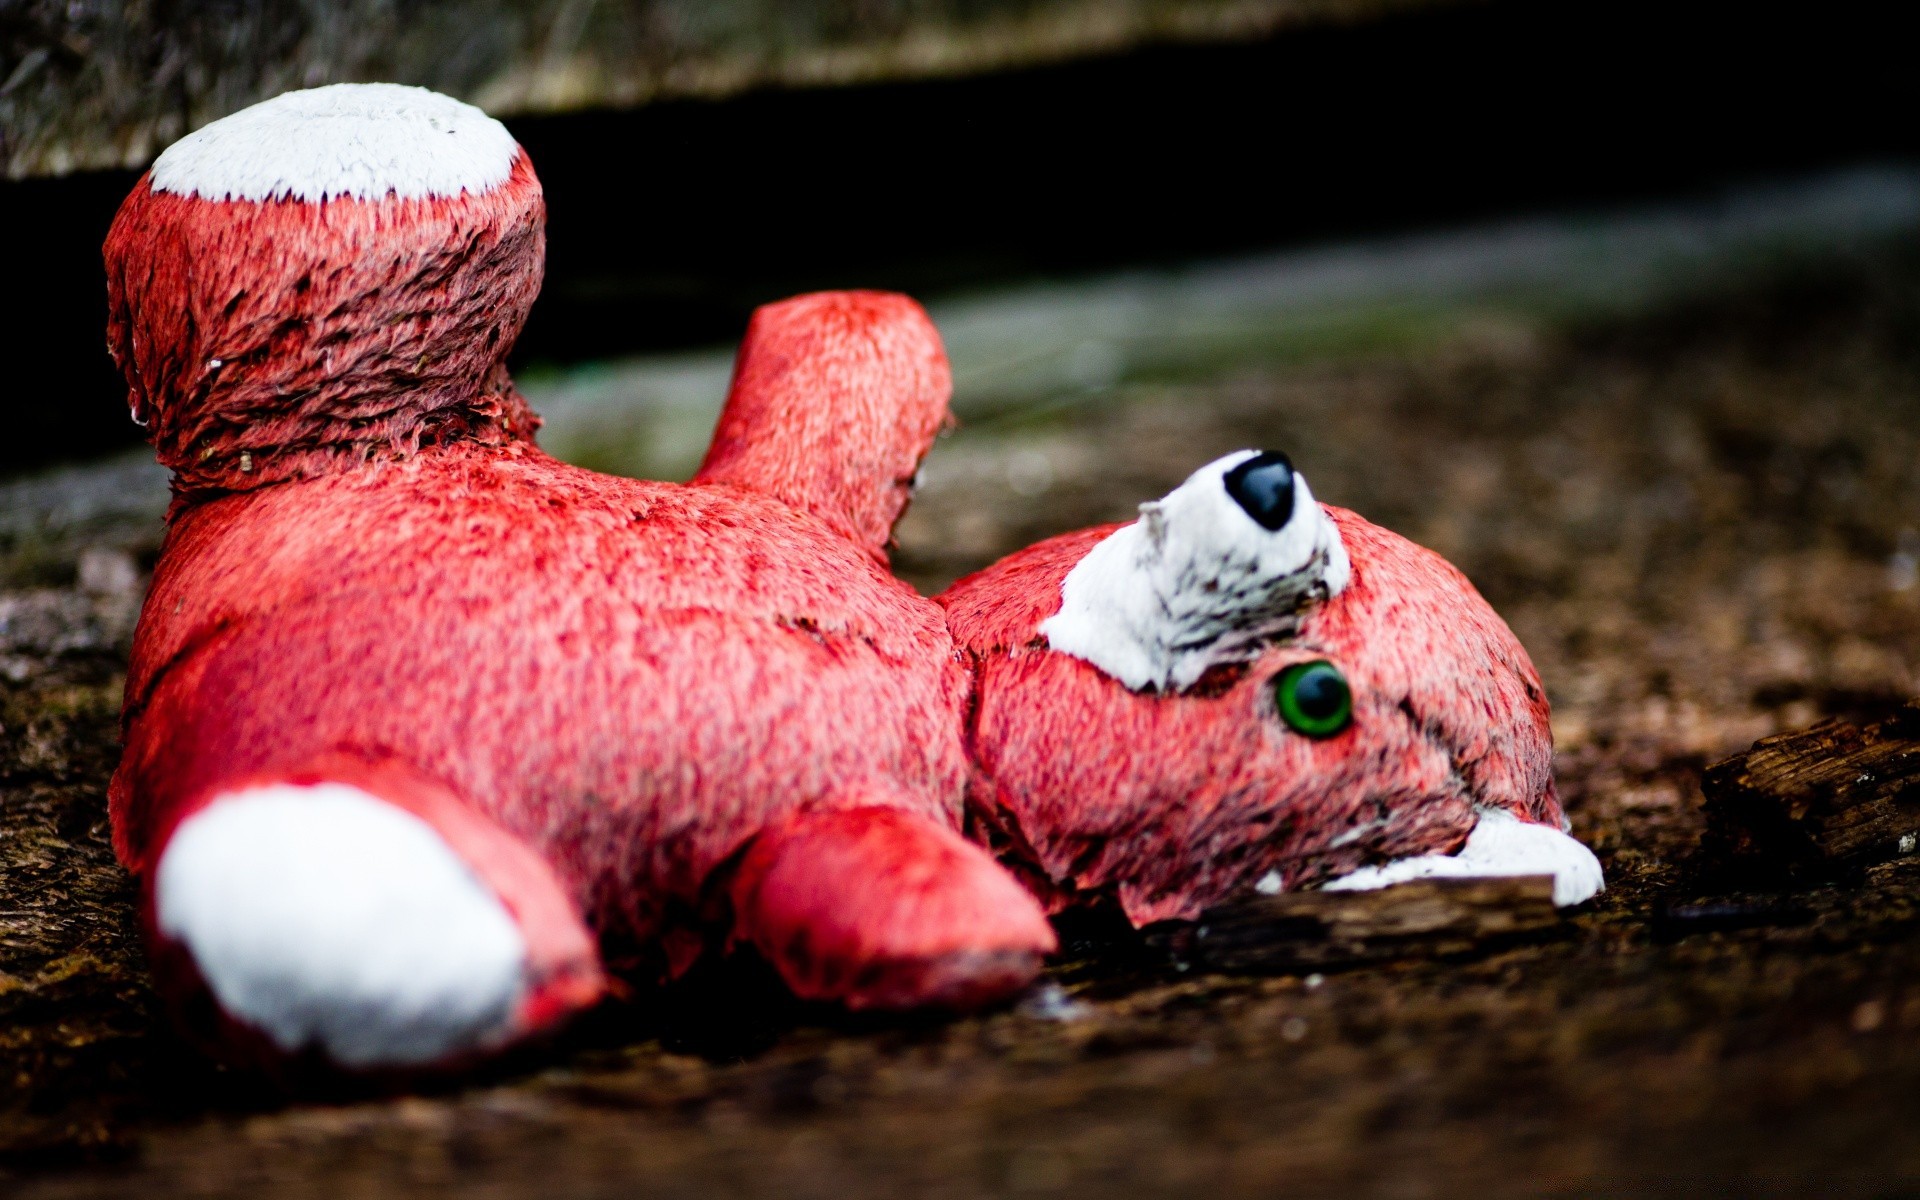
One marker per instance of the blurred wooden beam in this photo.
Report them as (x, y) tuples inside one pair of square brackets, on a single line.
[(110, 83)]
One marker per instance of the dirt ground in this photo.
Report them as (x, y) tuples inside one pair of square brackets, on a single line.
[(1703, 522)]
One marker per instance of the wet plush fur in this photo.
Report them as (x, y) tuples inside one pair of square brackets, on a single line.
[(1171, 802)]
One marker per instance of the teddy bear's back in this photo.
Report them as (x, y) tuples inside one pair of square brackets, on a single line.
[(1182, 797), (633, 676)]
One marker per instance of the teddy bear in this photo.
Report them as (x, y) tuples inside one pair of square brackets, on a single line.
[(419, 719)]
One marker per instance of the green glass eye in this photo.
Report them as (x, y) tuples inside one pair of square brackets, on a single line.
[(1314, 699)]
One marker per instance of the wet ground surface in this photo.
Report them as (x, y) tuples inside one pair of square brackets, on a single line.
[(1703, 521)]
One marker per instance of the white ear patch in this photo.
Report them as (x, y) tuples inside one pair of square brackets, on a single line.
[(363, 140), (1501, 844), (1196, 581), (324, 916)]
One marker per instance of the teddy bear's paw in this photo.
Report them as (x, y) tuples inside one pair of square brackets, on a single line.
[(1501, 844), (326, 918), (880, 908)]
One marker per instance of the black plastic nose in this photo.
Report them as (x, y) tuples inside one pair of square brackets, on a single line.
[(1263, 485)]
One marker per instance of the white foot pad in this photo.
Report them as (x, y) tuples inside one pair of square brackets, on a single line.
[(1500, 845), (324, 916), (362, 140)]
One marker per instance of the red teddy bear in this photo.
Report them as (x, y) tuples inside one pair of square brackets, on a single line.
[(417, 715)]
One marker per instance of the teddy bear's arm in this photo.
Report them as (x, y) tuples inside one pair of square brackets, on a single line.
[(881, 908), (836, 398)]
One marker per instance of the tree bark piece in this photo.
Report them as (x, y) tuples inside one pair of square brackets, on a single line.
[(1427, 918), (1832, 798)]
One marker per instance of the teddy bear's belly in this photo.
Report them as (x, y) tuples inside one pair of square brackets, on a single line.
[(637, 744), (636, 766), (636, 761)]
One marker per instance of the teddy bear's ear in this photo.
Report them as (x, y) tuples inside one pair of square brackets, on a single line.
[(1220, 566), (1153, 522)]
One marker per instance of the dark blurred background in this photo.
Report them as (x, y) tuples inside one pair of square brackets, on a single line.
[(671, 220)]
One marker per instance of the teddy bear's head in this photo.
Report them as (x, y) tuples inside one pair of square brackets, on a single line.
[(333, 274), (1243, 690)]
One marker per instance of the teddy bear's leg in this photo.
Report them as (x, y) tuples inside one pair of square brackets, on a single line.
[(1501, 844), (880, 908), (378, 921)]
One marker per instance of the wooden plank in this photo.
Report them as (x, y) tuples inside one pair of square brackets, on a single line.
[(1834, 797), (1428, 918)]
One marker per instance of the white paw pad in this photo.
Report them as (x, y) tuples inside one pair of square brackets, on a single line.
[(325, 917), (1501, 845)]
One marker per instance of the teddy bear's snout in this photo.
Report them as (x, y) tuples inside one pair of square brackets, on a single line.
[(1211, 573)]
